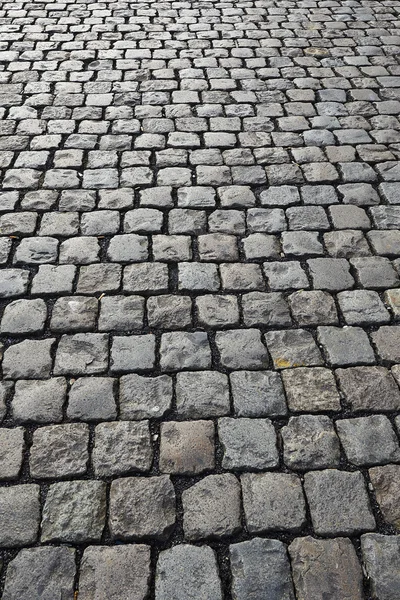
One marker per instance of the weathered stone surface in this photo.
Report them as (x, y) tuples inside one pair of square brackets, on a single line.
[(369, 388), (142, 508), (186, 447), (82, 354), (260, 570), (92, 399), (346, 346), (241, 349), (59, 451), (257, 394), (106, 572), (202, 394), (20, 508), (186, 573), (386, 485), (185, 351), (122, 447), (368, 440), (45, 573), (211, 508), (144, 397), (293, 348), (310, 442), (381, 559), (29, 359), (247, 444), (311, 390), (325, 568), (39, 401), (273, 502), (11, 449), (74, 512), (338, 502), (132, 353)]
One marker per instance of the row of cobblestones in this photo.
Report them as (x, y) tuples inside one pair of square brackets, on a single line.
[(200, 300)]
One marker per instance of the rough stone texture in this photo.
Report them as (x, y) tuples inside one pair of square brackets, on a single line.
[(200, 277), (11, 449), (142, 508), (338, 502), (381, 559), (59, 451), (386, 484), (202, 394), (20, 508), (186, 447), (247, 444), (121, 447), (186, 573), (327, 568), (45, 573), (74, 512), (369, 388), (105, 571), (211, 508), (257, 394), (144, 397), (310, 442), (311, 390), (273, 501), (260, 570), (368, 440)]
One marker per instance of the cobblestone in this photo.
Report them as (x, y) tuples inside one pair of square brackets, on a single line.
[(199, 300)]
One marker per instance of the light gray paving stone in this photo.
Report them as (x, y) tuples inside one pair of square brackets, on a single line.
[(169, 311), (20, 508), (121, 313), (311, 390), (144, 397), (132, 353), (381, 560), (293, 348), (202, 394), (24, 317), (211, 507), (74, 512), (42, 572), (368, 440), (142, 507), (247, 444), (29, 359), (217, 311), (39, 401), (323, 567), (386, 483), (346, 346), (241, 349), (183, 350), (92, 399), (82, 354), (338, 502), (185, 572), (74, 313), (310, 442), (122, 447), (14, 282), (273, 502), (106, 570), (371, 389), (362, 307), (257, 394), (260, 569), (386, 340), (313, 308), (265, 309), (12, 446), (59, 451)]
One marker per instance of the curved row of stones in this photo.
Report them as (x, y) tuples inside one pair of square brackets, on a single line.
[(200, 300)]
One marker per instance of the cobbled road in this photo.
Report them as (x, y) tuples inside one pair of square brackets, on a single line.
[(200, 300)]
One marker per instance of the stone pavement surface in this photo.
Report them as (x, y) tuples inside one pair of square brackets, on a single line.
[(200, 300)]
